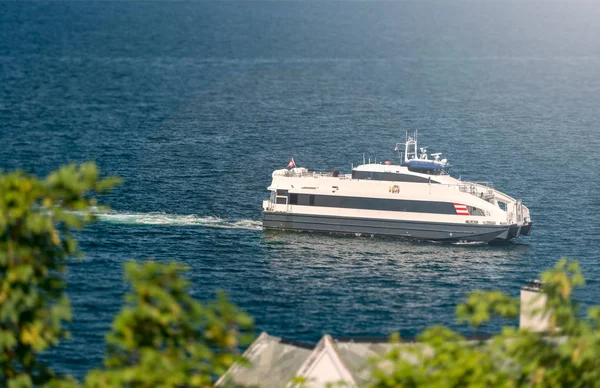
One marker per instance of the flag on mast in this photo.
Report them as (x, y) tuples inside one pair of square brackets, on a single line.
[(396, 147), (291, 164)]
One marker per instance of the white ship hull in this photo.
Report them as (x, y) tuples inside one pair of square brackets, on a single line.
[(421, 230)]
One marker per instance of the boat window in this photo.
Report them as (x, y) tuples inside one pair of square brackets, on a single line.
[(293, 199), (502, 205), (303, 199), (429, 171), (281, 200), (282, 193), (475, 211), (360, 175)]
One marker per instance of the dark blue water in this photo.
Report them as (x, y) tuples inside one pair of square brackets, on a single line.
[(195, 103)]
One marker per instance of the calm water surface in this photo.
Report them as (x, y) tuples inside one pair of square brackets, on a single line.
[(196, 103)]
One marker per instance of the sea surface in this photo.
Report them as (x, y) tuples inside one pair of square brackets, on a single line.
[(194, 104)]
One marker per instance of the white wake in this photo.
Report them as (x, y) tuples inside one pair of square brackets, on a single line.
[(159, 218)]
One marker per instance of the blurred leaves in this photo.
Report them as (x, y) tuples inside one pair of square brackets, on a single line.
[(566, 355), (164, 337), (36, 221), (481, 306)]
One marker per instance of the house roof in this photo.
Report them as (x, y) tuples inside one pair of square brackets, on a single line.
[(273, 362)]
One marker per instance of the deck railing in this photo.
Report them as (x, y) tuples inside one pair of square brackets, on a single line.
[(313, 174), (483, 190)]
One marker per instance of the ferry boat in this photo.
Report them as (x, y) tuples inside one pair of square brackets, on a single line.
[(415, 199)]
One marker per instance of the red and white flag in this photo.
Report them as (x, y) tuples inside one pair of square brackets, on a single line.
[(291, 164), (461, 209)]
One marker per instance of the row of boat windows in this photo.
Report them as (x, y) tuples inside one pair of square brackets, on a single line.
[(389, 176), (283, 197), (429, 171), (397, 205)]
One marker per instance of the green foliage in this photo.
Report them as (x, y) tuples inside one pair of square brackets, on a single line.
[(481, 306), (164, 337), (567, 354), (298, 382), (303, 382), (36, 220), (433, 362)]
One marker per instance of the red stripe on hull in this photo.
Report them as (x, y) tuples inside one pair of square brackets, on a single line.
[(461, 209)]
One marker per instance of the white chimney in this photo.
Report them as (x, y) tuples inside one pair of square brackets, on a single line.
[(532, 299)]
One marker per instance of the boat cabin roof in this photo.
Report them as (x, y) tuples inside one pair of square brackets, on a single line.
[(381, 168), (427, 169)]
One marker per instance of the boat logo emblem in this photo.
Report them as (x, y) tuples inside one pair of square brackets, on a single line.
[(394, 189)]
